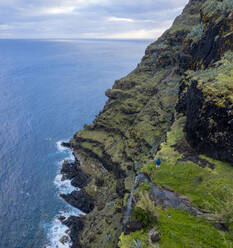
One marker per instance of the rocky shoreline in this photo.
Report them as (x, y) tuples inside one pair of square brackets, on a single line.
[(81, 200), (78, 198)]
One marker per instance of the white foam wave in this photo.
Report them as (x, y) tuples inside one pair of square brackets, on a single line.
[(60, 147), (64, 187), (58, 234), (71, 157)]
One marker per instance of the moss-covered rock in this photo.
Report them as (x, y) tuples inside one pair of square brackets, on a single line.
[(206, 98)]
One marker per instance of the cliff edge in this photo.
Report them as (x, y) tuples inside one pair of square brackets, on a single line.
[(177, 105)]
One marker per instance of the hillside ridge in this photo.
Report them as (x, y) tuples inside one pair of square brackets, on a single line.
[(177, 105)]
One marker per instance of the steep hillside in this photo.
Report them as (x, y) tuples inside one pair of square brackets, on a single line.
[(177, 104)]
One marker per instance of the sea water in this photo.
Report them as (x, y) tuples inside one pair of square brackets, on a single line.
[(48, 90)]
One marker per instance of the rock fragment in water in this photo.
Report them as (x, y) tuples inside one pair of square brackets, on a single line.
[(64, 239), (75, 225), (61, 218)]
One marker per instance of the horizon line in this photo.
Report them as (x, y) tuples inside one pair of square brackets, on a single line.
[(43, 38)]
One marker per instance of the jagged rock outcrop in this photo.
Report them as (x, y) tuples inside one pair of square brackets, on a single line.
[(73, 172), (209, 125), (75, 225), (80, 199), (206, 95)]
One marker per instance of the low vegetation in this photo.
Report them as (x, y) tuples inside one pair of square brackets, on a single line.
[(208, 189)]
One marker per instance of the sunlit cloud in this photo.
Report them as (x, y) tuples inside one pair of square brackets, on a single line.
[(57, 10), (137, 34), (117, 19), (109, 19)]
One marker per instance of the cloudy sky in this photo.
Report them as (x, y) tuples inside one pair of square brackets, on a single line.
[(119, 19)]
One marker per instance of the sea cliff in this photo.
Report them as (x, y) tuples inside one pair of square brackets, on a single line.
[(177, 105)]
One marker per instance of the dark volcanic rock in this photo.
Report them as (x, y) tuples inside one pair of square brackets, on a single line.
[(66, 144), (80, 199), (120, 188), (213, 140), (132, 227), (214, 41), (69, 169), (81, 180), (75, 225), (222, 227), (209, 125), (169, 199), (189, 154), (72, 171), (61, 218)]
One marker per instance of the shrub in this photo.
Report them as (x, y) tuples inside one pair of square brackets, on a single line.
[(211, 7), (196, 33), (146, 218)]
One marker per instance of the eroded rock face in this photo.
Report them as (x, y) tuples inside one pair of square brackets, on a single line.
[(169, 199), (209, 127), (80, 199), (205, 96), (212, 37), (73, 172), (75, 225)]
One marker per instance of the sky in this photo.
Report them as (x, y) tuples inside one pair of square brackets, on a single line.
[(106, 19)]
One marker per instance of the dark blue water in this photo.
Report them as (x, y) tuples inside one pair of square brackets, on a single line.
[(48, 91)]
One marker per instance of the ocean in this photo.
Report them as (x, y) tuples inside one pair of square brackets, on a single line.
[(48, 90)]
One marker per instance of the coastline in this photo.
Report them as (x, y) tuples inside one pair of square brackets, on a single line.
[(28, 176), (65, 224), (150, 114), (160, 111), (72, 181)]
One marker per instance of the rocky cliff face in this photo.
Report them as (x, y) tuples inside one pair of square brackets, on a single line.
[(188, 71), (206, 92)]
